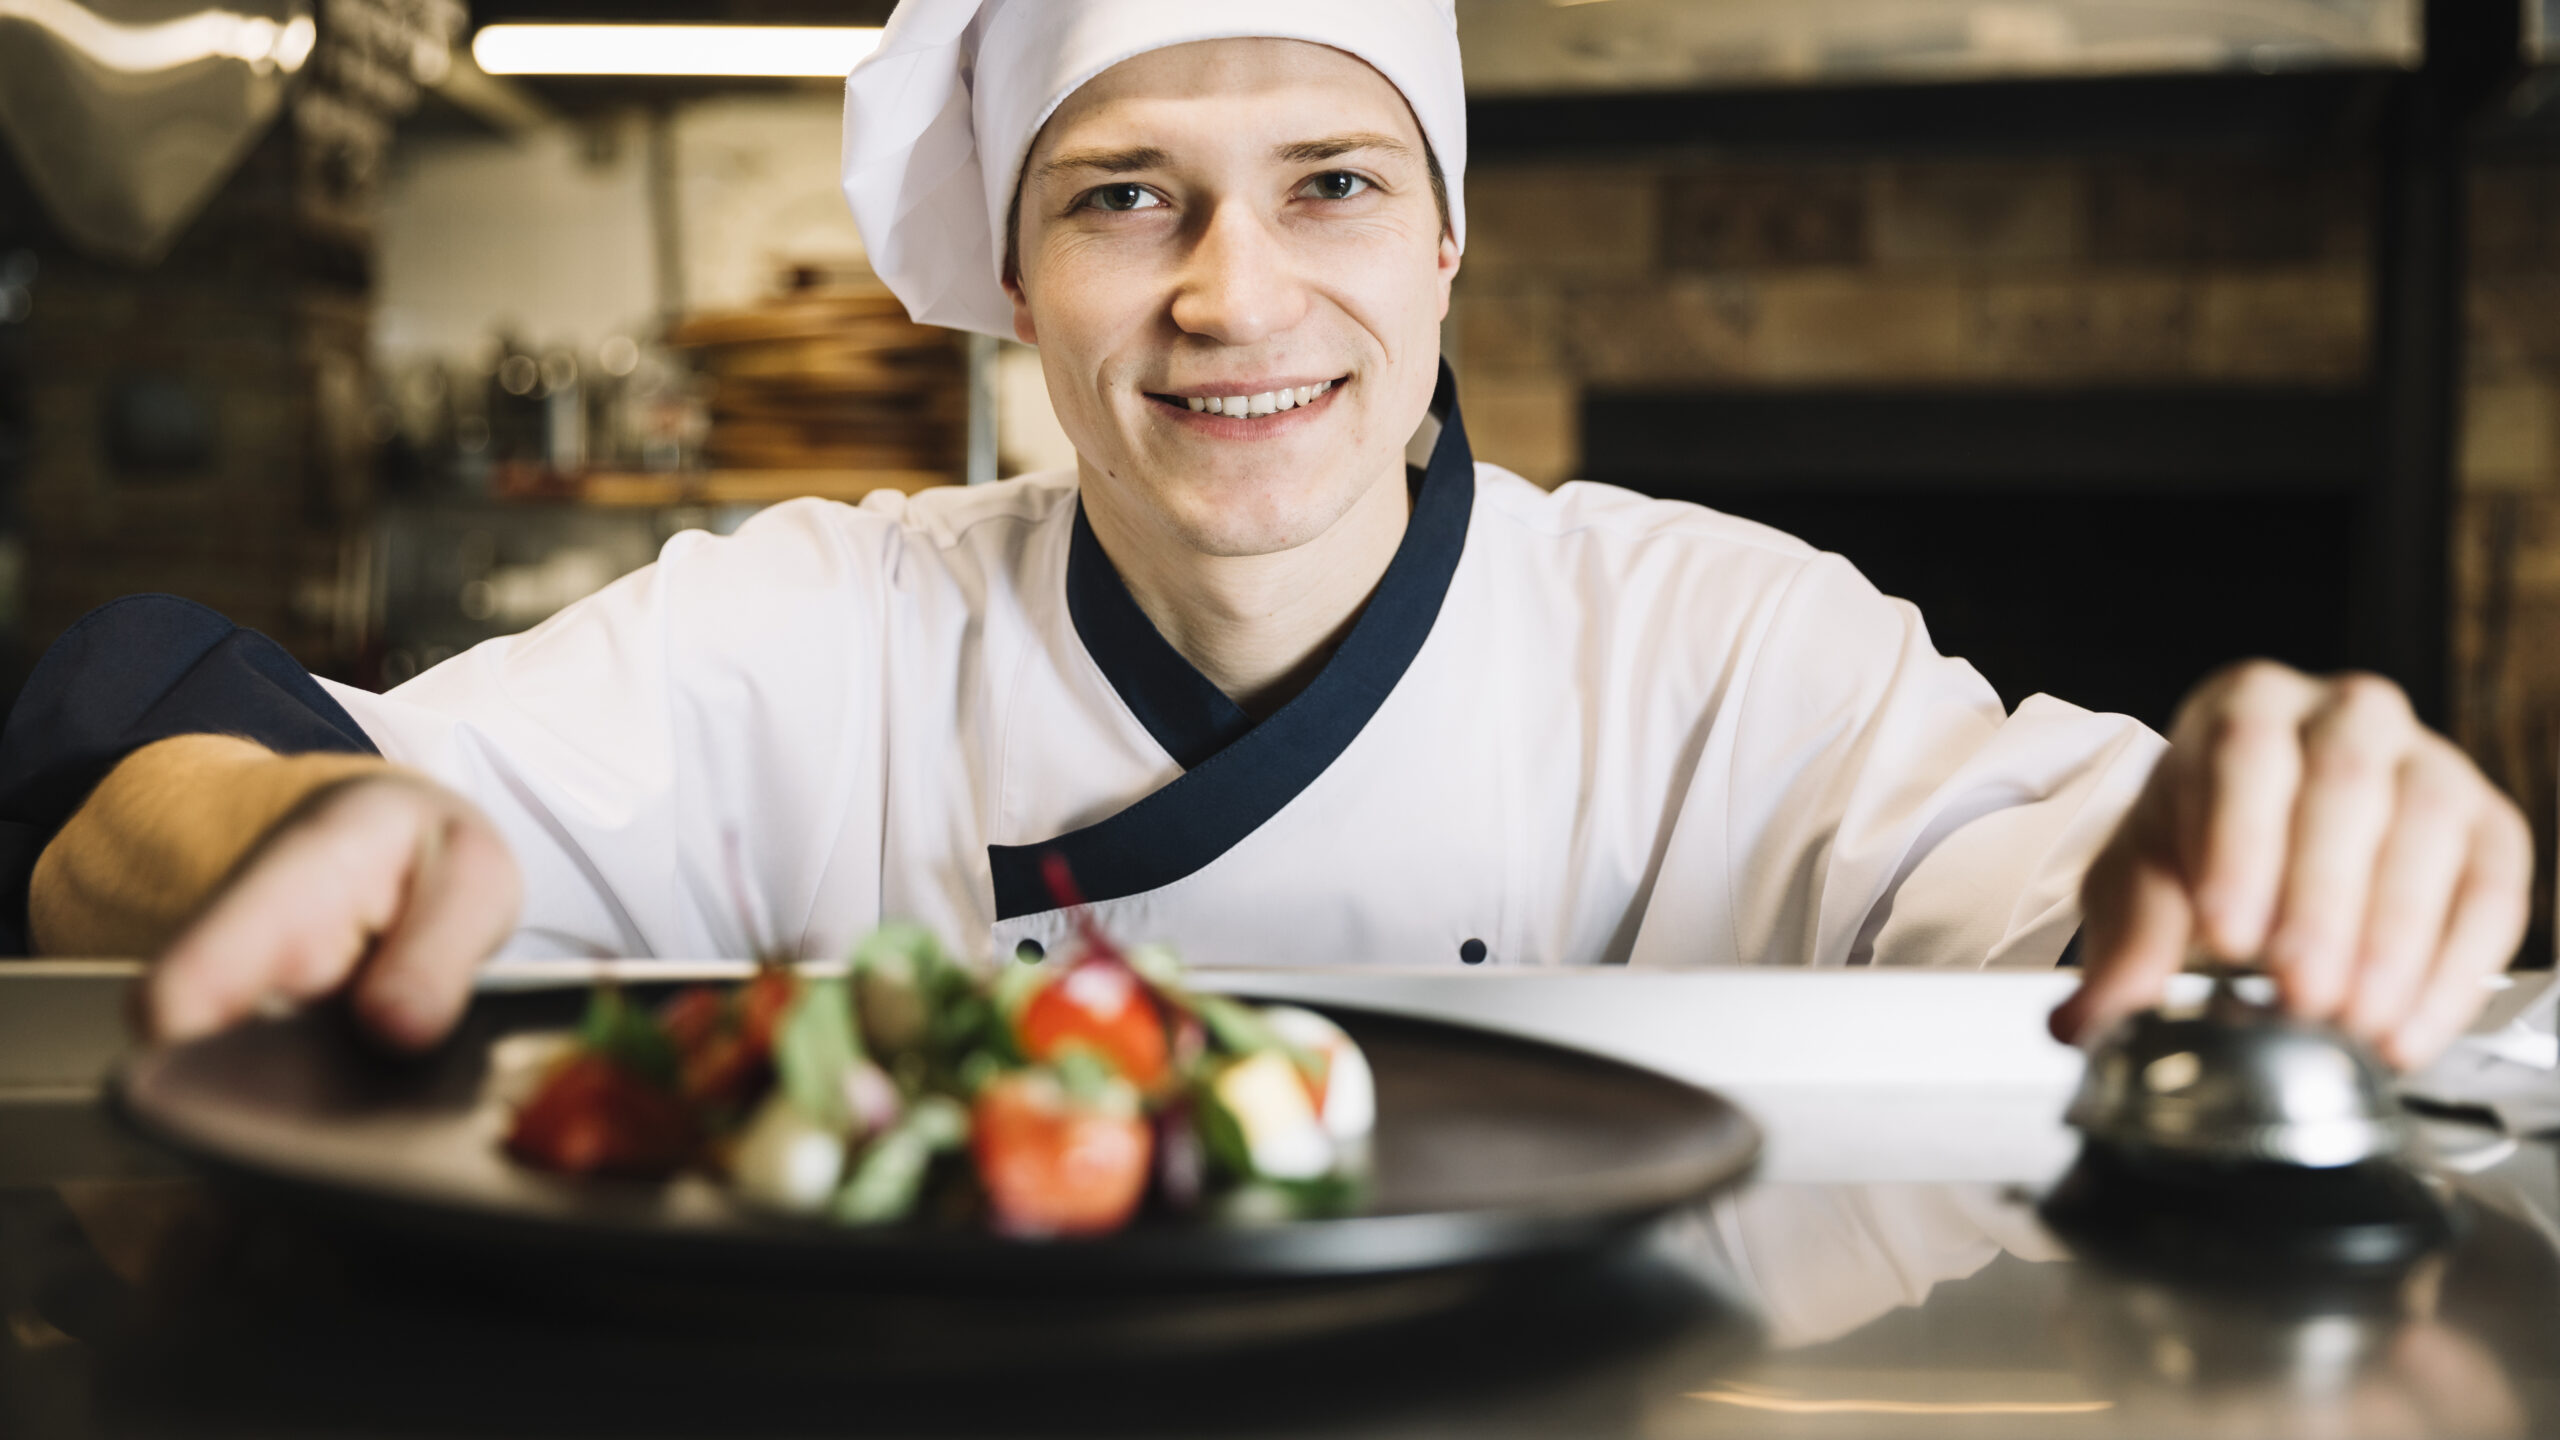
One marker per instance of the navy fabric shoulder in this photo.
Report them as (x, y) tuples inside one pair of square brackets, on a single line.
[(130, 672)]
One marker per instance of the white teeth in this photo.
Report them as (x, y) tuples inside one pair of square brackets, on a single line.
[(1266, 403)]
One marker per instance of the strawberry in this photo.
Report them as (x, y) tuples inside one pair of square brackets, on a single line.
[(1058, 1163)]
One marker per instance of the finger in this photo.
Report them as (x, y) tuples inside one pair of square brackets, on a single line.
[(2489, 914), (2237, 802), (2136, 930), (462, 902), (2352, 750), (2421, 861), (262, 939), (255, 947)]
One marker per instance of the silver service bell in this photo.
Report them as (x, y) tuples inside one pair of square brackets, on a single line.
[(2239, 1082)]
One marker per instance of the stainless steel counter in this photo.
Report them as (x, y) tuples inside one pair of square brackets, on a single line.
[(1885, 1276)]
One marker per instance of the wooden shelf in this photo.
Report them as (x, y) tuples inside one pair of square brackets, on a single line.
[(647, 490)]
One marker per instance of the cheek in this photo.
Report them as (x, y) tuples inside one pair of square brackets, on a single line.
[(1090, 311), (1403, 321)]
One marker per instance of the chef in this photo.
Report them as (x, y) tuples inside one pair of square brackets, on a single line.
[(1274, 695)]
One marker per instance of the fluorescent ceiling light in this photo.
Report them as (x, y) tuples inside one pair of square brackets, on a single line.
[(829, 50), (147, 49)]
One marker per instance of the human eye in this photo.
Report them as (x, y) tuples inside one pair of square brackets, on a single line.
[(1335, 185), (1126, 195)]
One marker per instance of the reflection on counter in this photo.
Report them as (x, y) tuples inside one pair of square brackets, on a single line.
[(1887, 1309), (1945, 1309)]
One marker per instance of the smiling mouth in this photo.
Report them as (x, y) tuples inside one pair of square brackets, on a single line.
[(1255, 406)]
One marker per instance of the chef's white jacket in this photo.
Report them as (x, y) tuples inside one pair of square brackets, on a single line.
[(1571, 728)]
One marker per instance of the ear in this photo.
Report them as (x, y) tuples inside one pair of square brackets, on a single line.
[(1022, 326), (1445, 269)]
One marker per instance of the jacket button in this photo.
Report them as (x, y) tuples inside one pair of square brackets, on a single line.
[(1472, 952)]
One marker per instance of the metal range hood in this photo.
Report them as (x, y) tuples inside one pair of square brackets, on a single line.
[(125, 115), (1529, 47)]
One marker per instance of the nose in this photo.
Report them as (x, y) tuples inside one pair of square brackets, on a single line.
[(1238, 286)]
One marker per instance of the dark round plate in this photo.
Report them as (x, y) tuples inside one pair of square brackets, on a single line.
[(1488, 1149)]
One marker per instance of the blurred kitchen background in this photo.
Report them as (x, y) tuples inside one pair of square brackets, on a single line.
[(2124, 336)]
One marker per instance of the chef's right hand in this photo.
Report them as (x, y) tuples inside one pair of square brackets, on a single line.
[(387, 886)]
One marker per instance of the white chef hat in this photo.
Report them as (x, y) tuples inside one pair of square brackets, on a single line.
[(939, 118)]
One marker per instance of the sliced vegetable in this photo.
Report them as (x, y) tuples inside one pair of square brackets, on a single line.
[(1054, 1165), (1182, 1162), (786, 1159), (627, 1035), (1233, 1026), (893, 972), (815, 1051), (1271, 1202), (1338, 1078), (725, 1041), (1101, 1006), (693, 1016), (1265, 1097), (762, 1002), (1078, 1088), (892, 1171), (593, 1116)]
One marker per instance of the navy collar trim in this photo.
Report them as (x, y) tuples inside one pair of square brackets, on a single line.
[(1189, 716), (1238, 774)]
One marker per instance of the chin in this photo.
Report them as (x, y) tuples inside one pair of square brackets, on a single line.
[(1235, 531)]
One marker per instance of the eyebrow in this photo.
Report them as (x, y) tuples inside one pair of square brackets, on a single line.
[(1142, 157), (1308, 152), (1149, 157)]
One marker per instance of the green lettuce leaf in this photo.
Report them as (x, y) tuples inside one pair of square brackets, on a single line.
[(628, 1035), (814, 1050)]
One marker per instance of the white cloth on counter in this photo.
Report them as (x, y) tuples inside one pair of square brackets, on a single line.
[(2507, 1067), (1634, 732), (1818, 1261), (939, 118)]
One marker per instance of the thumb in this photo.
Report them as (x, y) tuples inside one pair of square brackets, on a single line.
[(2137, 929), (463, 896)]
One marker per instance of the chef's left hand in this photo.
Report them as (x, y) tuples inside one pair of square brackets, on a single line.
[(2315, 827)]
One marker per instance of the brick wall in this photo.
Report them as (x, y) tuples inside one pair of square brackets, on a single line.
[(227, 328), (2507, 525), (2066, 272), (1878, 272), (204, 424)]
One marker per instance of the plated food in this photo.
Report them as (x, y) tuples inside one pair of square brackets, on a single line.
[(1056, 1099)]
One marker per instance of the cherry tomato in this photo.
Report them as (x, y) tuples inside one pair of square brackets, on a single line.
[(1101, 1004), (1051, 1167), (593, 1117)]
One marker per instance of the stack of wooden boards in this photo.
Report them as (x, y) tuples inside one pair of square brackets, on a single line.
[(835, 385)]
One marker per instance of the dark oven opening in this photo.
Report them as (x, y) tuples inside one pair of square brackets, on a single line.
[(2109, 547)]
